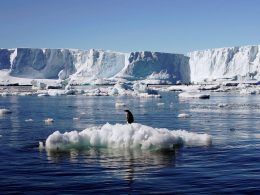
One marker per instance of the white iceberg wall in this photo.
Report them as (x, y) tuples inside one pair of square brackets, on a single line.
[(156, 65), (41, 63), (90, 65), (225, 63), (96, 64)]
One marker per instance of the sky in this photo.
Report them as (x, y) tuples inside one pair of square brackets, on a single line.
[(174, 26)]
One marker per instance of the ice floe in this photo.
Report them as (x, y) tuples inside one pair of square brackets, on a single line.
[(49, 120), (28, 120), (5, 111), (183, 115), (125, 136), (194, 95)]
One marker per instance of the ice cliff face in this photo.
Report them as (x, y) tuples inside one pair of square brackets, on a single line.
[(233, 62), (85, 66), (157, 66), (36, 63)]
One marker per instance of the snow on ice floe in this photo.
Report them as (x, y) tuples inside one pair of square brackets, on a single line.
[(125, 136), (5, 111)]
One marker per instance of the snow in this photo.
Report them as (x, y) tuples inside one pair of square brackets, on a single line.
[(125, 136)]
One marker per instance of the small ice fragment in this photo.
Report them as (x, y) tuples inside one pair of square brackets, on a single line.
[(194, 95), (75, 118), (49, 120), (43, 94), (222, 105), (160, 104), (41, 145), (120, 104), (28, 120), (5, 111), (184, 115)]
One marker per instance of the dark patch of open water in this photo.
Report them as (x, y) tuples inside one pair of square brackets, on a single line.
[(230, 165)]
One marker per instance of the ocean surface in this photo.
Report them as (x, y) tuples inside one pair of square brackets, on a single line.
[(230, 165)]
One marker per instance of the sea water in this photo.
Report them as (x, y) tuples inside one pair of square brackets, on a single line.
[(230, 164)]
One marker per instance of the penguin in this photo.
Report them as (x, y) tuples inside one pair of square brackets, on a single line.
[(129, 117)]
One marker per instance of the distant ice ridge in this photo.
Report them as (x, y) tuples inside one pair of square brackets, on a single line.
[(125, 136), (98, 66), (237, 63)]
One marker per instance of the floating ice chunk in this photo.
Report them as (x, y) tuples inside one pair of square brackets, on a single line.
[(49, 120), (140, 88), (41, 145), (120, 104), (182, 88), (75, 118), (25, 94), (248, 91), (5, 94), (38, 85), (194, 95), (183, 115), (125, 136), (121, 89), (209, 87), (160, 104), (56, 92), (71, 92), (146, 95), (28, 120), (222, 105), (43, 94), (5, 111)]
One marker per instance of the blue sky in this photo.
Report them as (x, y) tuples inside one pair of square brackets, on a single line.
[(175, 26)]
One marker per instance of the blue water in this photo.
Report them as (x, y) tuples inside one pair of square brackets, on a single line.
[(230, 165)]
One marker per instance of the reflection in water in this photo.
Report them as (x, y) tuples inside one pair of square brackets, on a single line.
[(124, 164)]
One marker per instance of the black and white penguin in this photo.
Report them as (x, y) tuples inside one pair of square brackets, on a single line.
[(129, 117)]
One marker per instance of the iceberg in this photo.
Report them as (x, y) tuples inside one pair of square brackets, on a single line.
[(125, 136), (77, 67), (234, 63), (93, 66)]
